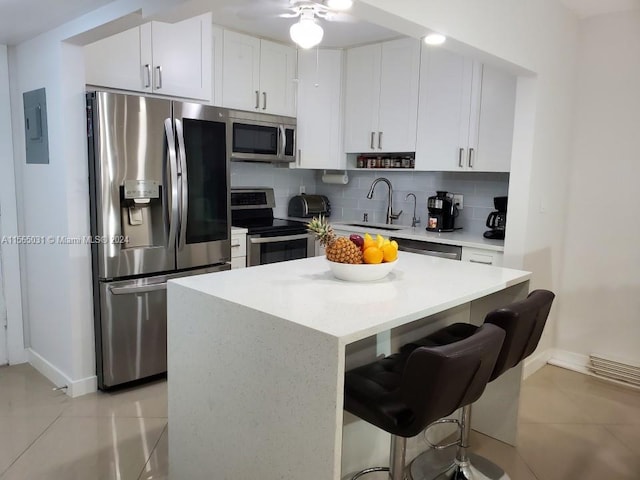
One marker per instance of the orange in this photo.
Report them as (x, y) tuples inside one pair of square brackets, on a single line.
[(389, 253), (372, 255)]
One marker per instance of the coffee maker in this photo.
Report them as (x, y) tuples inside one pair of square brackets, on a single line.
[(442, 212), (497, 221)]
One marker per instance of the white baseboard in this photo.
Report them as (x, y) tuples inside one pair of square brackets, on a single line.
[(536, 362), (570, 360), (75, 388)]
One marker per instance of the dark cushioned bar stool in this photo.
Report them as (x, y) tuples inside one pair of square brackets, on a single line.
[(404, 392), (523, 323)]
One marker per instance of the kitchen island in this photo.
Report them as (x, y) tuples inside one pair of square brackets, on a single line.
[(256, 361)]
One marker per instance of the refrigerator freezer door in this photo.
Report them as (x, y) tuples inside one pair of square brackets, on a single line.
[(204, 237), (130, 180), (131, 332)]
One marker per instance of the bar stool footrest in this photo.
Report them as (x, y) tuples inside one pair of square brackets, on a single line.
[(442, 465)]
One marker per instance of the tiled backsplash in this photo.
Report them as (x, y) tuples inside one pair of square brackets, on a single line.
[(286, 182), (349, 202)]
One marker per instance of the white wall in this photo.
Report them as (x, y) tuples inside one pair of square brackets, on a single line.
[(9, 222), (513, 31), (53, 198), (600, 308)]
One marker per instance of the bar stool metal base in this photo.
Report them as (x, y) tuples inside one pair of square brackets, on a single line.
[(442, 465), (397, 466), (369, 470)]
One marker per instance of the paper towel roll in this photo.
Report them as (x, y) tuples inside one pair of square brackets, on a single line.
[(337, 178)]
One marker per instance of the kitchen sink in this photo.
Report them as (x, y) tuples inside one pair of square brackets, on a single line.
[(376, 226)]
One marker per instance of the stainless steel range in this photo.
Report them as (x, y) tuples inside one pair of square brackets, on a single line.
[(269, 239)]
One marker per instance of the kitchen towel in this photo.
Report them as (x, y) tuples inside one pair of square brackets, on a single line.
[(336, 178)]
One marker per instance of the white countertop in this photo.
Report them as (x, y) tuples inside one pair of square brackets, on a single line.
[(461, 238), (306, 293), (238, 230)]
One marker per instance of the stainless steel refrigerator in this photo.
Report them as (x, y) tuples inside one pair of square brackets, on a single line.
[(159, 188)]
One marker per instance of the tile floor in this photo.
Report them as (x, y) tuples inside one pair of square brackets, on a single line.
[(572, 427)]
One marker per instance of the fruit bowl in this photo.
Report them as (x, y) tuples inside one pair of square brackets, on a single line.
[(362, 272)]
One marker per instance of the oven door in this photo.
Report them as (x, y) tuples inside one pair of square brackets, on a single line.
[(262, 250)]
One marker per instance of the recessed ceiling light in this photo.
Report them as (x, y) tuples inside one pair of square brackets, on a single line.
[(339, 4), (435, 39)]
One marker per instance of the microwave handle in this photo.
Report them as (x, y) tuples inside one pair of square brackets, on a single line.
[(283, 141)]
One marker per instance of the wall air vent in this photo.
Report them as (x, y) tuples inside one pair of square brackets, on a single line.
[(618, 370)]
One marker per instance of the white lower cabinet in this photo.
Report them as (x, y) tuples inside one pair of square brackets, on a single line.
[(479, 255), (238, 248)]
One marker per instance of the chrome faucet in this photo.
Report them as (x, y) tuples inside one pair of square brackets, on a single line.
[(390, 215), (414, 221)]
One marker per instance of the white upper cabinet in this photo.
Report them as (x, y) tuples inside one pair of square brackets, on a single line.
[(466, 113), (319, 130), (258, 75), (182, 57), (381, 98), (116, 62), (167, 59)]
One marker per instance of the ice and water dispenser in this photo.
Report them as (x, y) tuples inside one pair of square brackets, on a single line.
[(141, 214)]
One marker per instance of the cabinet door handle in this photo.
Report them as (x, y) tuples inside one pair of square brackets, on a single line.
[(159, 77), (379, 140), (147, 76), (257, 99), (471, 260), (471, 158), (461, 157), (373, 135), (264, 100), (299, 157)]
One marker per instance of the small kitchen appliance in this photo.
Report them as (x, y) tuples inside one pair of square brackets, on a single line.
[(497, 221), (309, 206), (442, 212)]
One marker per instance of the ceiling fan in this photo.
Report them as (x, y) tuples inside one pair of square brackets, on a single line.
[(307, 32)]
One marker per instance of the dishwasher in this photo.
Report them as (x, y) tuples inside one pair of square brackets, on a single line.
[(433, 249)]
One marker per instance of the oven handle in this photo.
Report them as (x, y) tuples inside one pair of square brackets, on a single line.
[(283, 238)]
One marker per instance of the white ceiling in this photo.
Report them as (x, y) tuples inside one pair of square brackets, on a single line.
[(589, 8), (24, 19)]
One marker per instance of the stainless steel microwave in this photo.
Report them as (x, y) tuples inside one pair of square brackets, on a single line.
[(260, 137)]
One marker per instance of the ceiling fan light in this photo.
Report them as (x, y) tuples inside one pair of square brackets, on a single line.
[(339, 4), (435, 39), (306, 33)]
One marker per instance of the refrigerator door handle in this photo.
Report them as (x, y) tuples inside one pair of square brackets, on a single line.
[(173, 178), (184, 200), (154, 287)]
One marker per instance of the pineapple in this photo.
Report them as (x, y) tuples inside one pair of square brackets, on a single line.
[(341, 249)]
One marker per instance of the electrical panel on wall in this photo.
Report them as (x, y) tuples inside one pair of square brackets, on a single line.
[(35, 126)]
